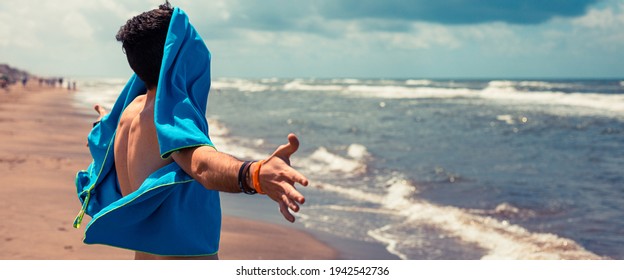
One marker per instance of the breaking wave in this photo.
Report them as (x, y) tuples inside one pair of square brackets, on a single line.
[(500, 239)]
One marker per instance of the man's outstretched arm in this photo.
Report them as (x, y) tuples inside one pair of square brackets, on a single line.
[(219, 171)]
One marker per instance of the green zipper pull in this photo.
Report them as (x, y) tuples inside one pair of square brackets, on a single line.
[(80, 215), (78, 219)]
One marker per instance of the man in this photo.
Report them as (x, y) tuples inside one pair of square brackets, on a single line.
[(142, 192)]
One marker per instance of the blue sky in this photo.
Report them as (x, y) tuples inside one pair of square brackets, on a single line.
[(335, 38)]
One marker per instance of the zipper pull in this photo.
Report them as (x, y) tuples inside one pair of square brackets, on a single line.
[(78, 219), (80, 215)]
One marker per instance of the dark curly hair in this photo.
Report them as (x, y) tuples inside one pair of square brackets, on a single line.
[(143, 40)]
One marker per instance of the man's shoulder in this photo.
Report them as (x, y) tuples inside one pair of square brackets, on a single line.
[(133, 109)]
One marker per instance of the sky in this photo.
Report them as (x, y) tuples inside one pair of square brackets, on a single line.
[(334, 38)]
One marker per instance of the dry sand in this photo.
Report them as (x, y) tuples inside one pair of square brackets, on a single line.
[(42, 145)]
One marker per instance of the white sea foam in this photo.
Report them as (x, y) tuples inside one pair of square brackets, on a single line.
[(501, 84), (345, 81), (392, 241), (269, 80), (400, 92), (239, 84), (101, 82), (499, 238), (298, 85), (506, 91), (613, 103), (238, 147), (319, 162), (500, 91), (506, 118), (102, 91), (418, 82), (357, 151), (323, 162), (355, 209), (534, 84), (217, 129), (505, 210), (546, 85)]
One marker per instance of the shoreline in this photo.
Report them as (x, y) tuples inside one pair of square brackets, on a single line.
[(266, 211), (44, 139)]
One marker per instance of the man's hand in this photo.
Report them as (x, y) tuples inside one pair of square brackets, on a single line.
[(100, 110), (101, 113), (277, 178)]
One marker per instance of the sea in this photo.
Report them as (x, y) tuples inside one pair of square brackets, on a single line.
[(434, 168)]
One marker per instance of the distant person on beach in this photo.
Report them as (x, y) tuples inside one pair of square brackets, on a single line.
[(4, 82), (166, 170)]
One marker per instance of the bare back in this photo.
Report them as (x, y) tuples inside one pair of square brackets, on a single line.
[(137, 154), (136, 145)]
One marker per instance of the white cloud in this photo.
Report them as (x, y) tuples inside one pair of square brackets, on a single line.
[(607, 18), (601, 29)]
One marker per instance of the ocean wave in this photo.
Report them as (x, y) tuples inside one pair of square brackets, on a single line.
[(533, 85), (392, 241), (239, 84), (613, 103), (217, 129), (501, 84), (500, 238), (236, 146), (418, 82), (102, 82), (322, 161), (500, 91), (506, 118), (546, 85), (102, 91), (401, 92), (298, 85), (543, 93), (269, 80), (345, 81), (354, 209), (505, 210)]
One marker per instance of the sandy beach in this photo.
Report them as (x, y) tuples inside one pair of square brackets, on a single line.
[(43, 145)]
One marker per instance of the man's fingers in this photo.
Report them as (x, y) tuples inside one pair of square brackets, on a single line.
[(285, 151), (287, 191), (284, 210), (290, 203), (295, 177), (293, 194)]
